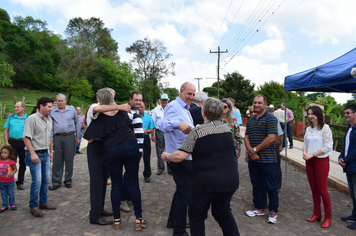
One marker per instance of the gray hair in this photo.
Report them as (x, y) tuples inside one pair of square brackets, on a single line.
[(213, 108), (230, 114), (200, 96), (61, 95), (105, 97)]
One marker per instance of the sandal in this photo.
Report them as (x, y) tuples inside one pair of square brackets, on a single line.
[(140, 224), (3, 209), (117, 224)]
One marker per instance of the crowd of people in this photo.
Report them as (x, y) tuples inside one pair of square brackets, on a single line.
[(198, 137)]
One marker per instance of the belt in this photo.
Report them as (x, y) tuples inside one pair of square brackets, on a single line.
[(13, 139), (42, 151), (65, 134)]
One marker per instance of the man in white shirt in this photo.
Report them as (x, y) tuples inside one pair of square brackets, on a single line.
[(157, 116), (280, 115)]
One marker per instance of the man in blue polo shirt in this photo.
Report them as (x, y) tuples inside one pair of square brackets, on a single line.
[(260, 138), (148, 126), (13, 136)]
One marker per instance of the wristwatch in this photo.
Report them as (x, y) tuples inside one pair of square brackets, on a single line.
[(254, 149)]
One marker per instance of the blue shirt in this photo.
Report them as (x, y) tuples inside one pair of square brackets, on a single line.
[(175, 112), (15, 125), (66, 121), (237, 114), (147, 122)]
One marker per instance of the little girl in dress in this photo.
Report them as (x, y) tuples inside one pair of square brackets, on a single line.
[(7, 181)]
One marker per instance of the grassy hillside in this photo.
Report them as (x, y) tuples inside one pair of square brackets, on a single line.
[(7, 103)]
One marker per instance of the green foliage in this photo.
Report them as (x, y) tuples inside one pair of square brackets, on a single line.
[(151, 58), (118, 76), (30, 24), (33, 65), (6, 70), (235, 86), (95, 35), (172, 92), (77, 86), (4, 16), (315, 96)]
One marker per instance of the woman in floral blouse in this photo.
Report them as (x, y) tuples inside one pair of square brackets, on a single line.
[(229, 119)]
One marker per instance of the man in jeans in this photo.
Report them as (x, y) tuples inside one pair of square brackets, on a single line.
[(261, 132), (37, 137), (347, 161)]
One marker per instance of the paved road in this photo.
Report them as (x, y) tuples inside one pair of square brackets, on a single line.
[(72, 217)]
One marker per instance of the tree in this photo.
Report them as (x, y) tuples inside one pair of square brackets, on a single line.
[(315, 96), (4, 16), (172, 92), (6, 70), (94, 35), (116, 75), (33, 65), (151, 60)]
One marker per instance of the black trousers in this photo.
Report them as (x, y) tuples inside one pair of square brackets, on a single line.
[(147, 156), (19, 147), (98, 175)]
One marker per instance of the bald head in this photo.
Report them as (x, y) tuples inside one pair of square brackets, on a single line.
[(187, 92), (20, 109)]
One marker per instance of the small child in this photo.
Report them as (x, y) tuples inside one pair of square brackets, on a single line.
[(7, 181)]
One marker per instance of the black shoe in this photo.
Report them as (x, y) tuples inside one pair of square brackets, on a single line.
[(159, 172), (54, 187), (147, 180), (170, 225), (101, 221), (78, 152), (291, 147), (68, 185), (20, 187), (107, 213), (169, 172)]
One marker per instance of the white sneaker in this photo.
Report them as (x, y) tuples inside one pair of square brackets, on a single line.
[(255, 212), (272, 218), (124, 206)]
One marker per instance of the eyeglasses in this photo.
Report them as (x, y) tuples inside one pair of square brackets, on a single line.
[(225, 107), (349, 112)]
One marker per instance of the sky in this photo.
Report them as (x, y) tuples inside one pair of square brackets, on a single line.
[(265, 39)]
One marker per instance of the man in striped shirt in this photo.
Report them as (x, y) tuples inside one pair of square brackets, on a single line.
[(260, 138), (135, 103)]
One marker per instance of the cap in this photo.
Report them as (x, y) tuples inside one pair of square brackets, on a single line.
[(164, 96), (271, 106)]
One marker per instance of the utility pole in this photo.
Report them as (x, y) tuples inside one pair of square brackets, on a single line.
[(218, 52), (198, 83)]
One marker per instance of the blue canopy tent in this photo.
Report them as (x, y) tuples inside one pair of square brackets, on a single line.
[(338, 75)]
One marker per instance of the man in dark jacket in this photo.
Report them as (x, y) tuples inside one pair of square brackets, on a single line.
[(347, 160), (195, 107)]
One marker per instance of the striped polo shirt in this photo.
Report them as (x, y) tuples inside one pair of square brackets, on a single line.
[(257, 130), (137, 124)]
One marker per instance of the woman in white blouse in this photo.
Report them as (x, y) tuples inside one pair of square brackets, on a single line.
[(317, 148)]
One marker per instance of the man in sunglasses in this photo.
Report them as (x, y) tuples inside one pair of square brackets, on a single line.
[(347, 161)]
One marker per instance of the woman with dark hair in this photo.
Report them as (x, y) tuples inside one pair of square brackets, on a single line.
[(318, 144), (215, 176), (121, 149)]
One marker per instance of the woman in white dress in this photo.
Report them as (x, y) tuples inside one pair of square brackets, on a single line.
[(318, 144)]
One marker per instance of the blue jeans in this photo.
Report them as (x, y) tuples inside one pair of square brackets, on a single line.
[(7, 194), (124, 154), (263, 180), (199, 204), (40, 175), (351, 180), (77, 147), (182, 176)]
